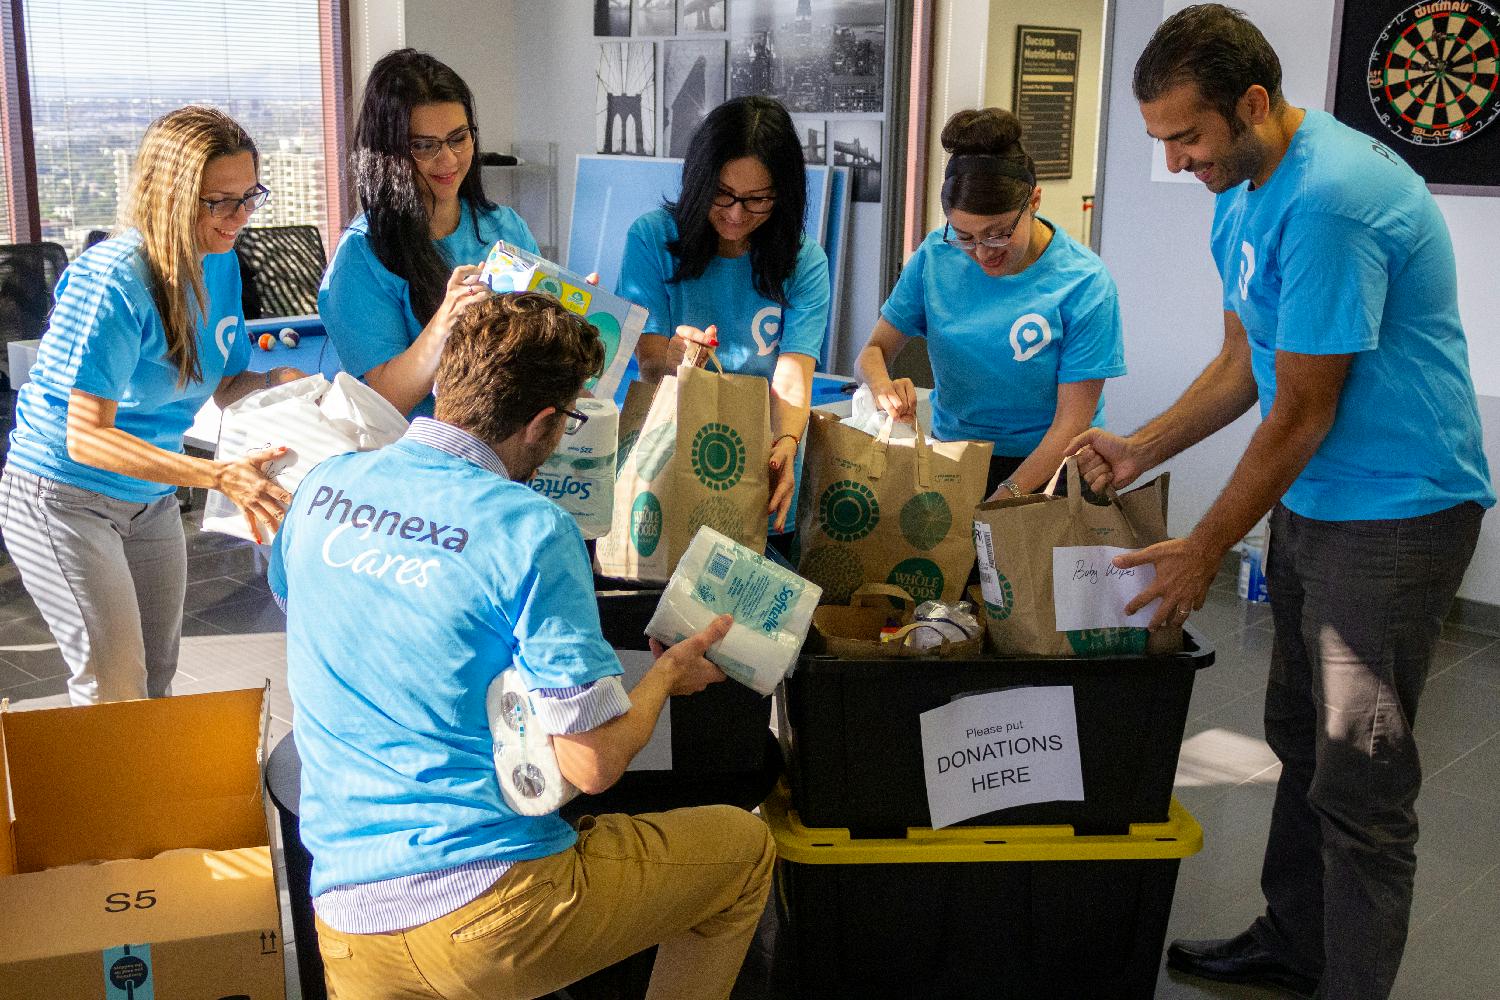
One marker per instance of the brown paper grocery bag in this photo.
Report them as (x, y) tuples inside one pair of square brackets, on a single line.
[(874, 510), (1015, 538), (698, 455)]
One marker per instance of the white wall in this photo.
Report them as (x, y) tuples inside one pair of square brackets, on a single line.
[(1155, 242), (477, 39)]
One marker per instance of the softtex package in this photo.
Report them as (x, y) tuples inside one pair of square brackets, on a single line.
[(580, 475), (772, 608), (619, 321)]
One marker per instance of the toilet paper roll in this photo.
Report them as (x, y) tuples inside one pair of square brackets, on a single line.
[(525, 763), (772, 608)]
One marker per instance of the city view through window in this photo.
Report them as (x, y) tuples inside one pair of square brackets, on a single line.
[(102, 70)]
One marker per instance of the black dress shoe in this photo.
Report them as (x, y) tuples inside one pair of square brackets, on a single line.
[(1239, 959)]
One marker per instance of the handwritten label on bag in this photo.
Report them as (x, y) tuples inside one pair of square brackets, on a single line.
[(1090, 591), (998, 750)]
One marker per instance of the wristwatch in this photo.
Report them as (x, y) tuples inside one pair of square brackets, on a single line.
[(1015, 490)]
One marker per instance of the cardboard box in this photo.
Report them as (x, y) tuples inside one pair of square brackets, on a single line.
[(135, 862)]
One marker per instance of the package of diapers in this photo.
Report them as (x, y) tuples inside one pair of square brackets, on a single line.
[(772, 608), (530, 781), (619, 322), (580, 475)]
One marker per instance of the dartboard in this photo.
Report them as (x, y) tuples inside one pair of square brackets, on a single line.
[(1434, 71)]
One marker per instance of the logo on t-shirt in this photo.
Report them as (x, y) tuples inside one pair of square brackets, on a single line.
[(224, 334), (1029, 334), (1247, 269), (765, 329)]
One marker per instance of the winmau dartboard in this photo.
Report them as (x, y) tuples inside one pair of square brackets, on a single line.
[(1434, 71)]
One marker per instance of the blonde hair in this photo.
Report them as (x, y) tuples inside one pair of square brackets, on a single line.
[(164, 206)]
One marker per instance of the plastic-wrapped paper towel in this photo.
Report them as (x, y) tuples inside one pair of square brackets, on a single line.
[(772, 608), (580, 475), (525, 762)]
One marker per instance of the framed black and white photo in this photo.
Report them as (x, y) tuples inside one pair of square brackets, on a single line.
[(654, 17), (625, 103), (1424, 79), (700, 15), (612, 18), (692, 85), (814, 135), (855, 143), (818, 56)]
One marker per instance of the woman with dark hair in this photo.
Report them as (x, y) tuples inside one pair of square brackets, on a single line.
[(728, 265), (410, 263), (147, 326), (1022, 322)]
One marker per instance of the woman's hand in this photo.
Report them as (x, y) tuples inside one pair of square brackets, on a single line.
[(898, 397), (244, 481), (783, 478), (464, 289), (284, 374)]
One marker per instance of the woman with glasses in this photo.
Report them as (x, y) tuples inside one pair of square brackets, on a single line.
[(147, 326), (1022, 322), (410, 263), (727, 265)]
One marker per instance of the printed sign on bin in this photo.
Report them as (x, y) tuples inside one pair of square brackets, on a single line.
[(992, 751)]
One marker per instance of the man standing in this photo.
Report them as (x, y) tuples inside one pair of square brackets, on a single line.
[(1341, 317), (412, 576)]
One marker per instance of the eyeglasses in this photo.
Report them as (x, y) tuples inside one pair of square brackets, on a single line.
[(223, 208), (997, 242), (575, 420), (759, 204), (424, 148)]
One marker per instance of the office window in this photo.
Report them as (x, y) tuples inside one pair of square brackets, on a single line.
[(102, 70)]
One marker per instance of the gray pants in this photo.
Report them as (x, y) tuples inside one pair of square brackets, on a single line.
[(109, 578), (1358, 607)]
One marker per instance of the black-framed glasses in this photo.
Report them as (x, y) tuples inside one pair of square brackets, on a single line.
[(576, 420), (756, 204), (223, 208), (424, 148), (997, 242)]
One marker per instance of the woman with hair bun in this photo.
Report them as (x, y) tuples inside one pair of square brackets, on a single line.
[(1022, 322), (409, 264)]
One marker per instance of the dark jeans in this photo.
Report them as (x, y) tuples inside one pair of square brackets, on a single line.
[(1357, 607)]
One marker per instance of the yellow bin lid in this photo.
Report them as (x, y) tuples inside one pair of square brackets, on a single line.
[(1179, 837)]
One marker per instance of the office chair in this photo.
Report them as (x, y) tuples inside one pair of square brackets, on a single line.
[(280, 268), (28, 274)]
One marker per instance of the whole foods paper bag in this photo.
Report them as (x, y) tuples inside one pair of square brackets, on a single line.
[(878, 510), (699, 458), (1015, 538)]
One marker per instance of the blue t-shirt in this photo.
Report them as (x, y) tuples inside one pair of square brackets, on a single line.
[(753, 330), (1344, 251), (367, 309), (1000, 346), (412, 578), (106, 338)]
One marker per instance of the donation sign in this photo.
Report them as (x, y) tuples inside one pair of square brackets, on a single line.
[(1089, 591), (1002, 749)]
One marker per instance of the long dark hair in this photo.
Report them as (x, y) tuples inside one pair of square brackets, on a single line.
[(990, 172), (386, 176), (744, 126)]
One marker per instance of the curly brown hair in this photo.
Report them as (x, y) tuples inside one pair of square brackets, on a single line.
[(510, 357)]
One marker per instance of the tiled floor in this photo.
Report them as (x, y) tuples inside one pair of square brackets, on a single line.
[(234, 638)]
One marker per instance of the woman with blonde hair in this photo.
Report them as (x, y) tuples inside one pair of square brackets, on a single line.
[(147, 326)]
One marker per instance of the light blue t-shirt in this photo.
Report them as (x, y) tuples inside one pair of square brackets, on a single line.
[(753, 330), (367, 310), (1344, 251), (404, 600), (1000, 346), (106, 338)]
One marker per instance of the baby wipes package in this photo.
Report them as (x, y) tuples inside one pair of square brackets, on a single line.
[(580, 475), (772, 608), (525, 763), (619, 322)]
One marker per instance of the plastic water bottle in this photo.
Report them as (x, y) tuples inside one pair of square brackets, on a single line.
[(1252, 585)]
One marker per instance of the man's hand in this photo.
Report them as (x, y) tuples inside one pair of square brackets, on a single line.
[(1185, 568), (898, 397), (1106, 459), (686, 668)]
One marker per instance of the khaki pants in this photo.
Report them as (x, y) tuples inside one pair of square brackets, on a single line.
[(693, 881)]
